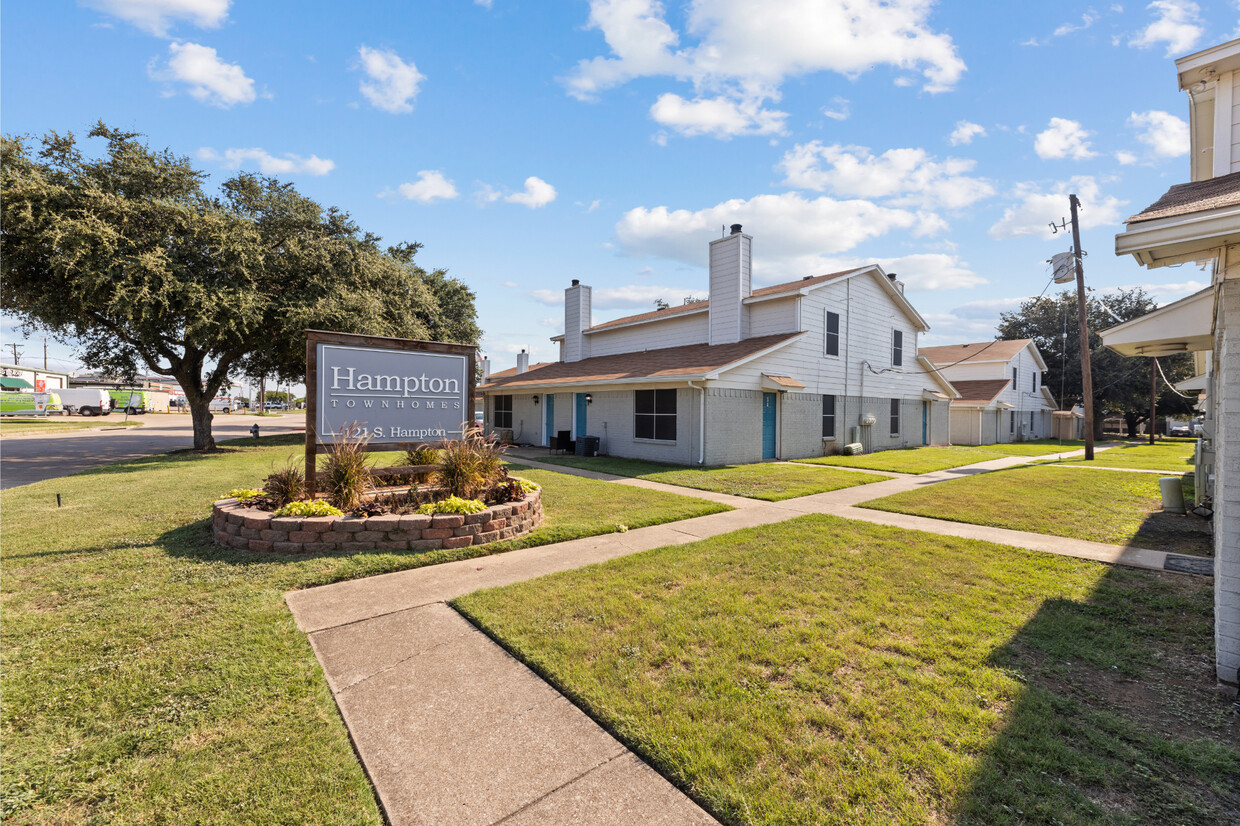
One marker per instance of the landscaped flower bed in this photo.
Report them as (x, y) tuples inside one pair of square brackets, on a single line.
[(251, 529)]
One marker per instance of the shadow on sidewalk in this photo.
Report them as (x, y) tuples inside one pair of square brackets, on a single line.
[(1119, 720)]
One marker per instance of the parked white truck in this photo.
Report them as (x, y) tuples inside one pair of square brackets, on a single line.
[(87, 401)]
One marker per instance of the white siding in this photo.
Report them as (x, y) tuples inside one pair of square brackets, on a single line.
[(768, 318), (1227, 482), (729, 283), (675, 331), (969, 371)]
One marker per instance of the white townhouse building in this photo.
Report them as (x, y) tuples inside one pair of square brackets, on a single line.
[(1002, 397), (1199, 222), (788, 371)]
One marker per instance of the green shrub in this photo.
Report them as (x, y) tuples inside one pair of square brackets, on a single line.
[(526, 484), (453, 504), (288, 484), (346, 473), (313, 507), (470, 465), (242, 493), (422, 455)]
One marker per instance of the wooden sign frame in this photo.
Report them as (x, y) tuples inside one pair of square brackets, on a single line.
[(317, 337)]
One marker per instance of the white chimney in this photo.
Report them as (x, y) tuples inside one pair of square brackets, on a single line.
[(577, 317), (486, 369), (731, 281), (523, 362)]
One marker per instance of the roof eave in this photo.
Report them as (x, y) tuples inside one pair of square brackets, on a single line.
[(1177, 239)]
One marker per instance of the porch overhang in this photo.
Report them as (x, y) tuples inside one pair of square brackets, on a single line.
[(1184, 326)]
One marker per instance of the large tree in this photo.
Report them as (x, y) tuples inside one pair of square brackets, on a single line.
[(127, 257), (1121, 383)]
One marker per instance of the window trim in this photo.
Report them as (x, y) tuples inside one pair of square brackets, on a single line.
[(895, 417), (826, 334), (497, 411), (828, 416), (655, 415)]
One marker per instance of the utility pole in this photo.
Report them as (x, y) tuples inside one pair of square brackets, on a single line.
[(16, 354), (45, 352), (1153, 397), (1087, 379)]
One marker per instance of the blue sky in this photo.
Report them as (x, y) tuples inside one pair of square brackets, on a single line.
[(527, 144)]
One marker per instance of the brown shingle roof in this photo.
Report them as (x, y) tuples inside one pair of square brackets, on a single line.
[(980, 351), (512, 371), (668, 363), (979, 392), (784, 381), (1198, 196), (791, 286)]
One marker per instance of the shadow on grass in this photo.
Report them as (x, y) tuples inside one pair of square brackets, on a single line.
[(1119, 720)]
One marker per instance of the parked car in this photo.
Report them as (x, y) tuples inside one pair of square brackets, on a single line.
[(277, 405), (1180, 430), (86, 401), (221, 405)]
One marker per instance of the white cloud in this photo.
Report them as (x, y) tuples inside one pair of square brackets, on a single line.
[(742, 58), (157, 16), (1177, 23), (909, 177), (839, 109), (798, 235), (430, 186), (1063, 139), (486, 4), (1125, 157), (537, 193), (965, 132), (1164, 133), (392, 84), (1088, 19), (1035, 208), (267, 163), (209, 78), (719, 117), (923, 272)]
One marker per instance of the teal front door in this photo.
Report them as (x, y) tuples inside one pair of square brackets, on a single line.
[(768, 425), (580, 423), (925, 423), (549, 429)]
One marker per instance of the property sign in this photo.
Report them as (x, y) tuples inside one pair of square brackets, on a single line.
[(396, 396), (399, 391)]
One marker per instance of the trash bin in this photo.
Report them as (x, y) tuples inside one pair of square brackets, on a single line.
[(587, 445)]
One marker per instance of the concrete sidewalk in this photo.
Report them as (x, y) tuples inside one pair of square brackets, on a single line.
[(454, 730)]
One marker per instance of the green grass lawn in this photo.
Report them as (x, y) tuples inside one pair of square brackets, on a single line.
[(929, 459), (1171, 456), (1103, 506), (152, 677), (58, 424), (822, 671), (771, 482)]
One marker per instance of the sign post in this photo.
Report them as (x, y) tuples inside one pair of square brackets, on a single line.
[(400, 392)]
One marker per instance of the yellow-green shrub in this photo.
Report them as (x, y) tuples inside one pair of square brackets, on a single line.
[(316, 507), (453, 504)]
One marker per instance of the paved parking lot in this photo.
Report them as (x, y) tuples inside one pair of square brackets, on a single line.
[(25, 459)]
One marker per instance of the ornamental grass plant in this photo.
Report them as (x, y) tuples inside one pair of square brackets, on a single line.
[(346, 474), (469, 466), (287, 484)]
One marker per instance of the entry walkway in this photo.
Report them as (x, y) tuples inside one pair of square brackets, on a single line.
[(453, 730)]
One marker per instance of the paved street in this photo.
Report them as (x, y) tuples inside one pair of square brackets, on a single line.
[(26, 459)]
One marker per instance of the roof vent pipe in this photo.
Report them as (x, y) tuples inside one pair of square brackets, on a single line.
[(576, 281), (736, 229)]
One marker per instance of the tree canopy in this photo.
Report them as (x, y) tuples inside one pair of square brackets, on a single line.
[(1121, 383), (128, 258)]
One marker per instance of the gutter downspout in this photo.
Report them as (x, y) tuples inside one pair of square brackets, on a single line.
[(701, 422)]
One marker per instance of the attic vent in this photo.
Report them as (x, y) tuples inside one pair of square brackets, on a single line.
[(807, 278), (660, 304)]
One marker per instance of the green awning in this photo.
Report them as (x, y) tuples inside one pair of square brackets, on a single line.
[(15, 384)]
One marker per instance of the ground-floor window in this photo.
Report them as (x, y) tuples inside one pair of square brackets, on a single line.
[(895, 417), (655, 415), (1012, 422), (1031, 421), (828, 417), (503, 412)]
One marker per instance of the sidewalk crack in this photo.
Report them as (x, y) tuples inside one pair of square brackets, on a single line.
[(564, 785)]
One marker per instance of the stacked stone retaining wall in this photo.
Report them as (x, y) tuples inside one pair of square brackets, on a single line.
[(250, 529)]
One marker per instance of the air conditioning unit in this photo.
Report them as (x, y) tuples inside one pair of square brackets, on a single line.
[(869, 420), (853, 449)]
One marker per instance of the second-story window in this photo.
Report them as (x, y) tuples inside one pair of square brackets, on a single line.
[(897, 348), (831, 339)]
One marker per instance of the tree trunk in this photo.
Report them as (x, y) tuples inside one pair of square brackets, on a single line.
[(1131, 420), (200, 412)]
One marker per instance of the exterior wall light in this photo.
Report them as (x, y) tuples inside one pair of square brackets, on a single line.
[(589, 399), (536, 400)]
